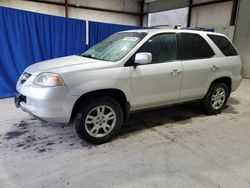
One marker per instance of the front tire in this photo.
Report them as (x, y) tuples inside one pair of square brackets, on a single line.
[(99, 120), (215, 99)]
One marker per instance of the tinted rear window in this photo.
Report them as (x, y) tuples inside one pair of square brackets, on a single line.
[(224, 45), (193, 46)]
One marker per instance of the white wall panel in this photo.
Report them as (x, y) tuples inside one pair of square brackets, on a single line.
[(122, 5), (34, 7), (101, 16), (242, 35), (212, 15), (170, 17)]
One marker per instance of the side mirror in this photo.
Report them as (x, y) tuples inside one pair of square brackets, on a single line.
[(143, 58)]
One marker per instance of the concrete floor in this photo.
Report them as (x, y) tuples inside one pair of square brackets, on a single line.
[(170, 147)]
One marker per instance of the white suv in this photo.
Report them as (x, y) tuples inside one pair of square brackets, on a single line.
[(131, 71)]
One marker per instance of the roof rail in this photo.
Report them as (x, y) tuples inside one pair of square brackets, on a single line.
[(180, 27), (165, 27), (160, 27), (198, 28)]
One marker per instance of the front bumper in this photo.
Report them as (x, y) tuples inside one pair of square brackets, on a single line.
[(50, 104)]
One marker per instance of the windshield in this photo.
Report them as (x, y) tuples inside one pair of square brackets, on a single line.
[(115, 47)]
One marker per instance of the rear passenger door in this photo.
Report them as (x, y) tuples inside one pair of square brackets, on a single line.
[(195, 54)]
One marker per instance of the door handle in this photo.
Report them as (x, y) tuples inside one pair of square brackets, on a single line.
[(214, 68), (175, 72)]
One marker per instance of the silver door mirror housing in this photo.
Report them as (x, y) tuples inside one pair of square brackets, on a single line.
[(143, 58)]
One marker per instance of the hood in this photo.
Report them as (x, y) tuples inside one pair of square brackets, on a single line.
[(67, 64)]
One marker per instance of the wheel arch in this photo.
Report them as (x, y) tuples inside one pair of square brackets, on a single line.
[(116, 94), (226, 80)]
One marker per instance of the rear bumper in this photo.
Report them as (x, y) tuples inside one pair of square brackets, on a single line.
[(236, 81), (50, 104)]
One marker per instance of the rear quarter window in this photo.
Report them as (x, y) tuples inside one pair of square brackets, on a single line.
[(224, 45), (193, 46)]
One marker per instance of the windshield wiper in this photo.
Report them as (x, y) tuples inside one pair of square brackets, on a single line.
[(89, 56)]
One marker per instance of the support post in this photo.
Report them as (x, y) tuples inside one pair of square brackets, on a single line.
[(142, 12), (66, 9), (234, 12), (189, 12)]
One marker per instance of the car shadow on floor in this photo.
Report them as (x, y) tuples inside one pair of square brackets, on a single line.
[(180, 114), (33, 135)]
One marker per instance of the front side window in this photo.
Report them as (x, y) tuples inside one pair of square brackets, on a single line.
[(115, 47), (224, 45), (193, 46), (161, 46)]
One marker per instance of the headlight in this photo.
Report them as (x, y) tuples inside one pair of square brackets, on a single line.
[(48, 79)]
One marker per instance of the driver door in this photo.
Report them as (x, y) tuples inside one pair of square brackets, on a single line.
[(157, 83)]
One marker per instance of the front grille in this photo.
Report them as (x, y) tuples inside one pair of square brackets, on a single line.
[(22, 98), (19, 98), (24, 77)]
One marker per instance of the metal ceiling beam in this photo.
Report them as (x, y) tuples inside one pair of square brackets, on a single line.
[(85, 7), (208, 3)]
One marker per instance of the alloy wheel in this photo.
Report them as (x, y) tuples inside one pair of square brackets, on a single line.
[(218, 98), (100, 121)]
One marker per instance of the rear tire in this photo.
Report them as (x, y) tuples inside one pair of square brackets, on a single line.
[(99, 120), (215, 99)]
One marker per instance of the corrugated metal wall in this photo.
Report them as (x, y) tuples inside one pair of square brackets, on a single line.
[(212, 15), (242, 35), (170, 17)]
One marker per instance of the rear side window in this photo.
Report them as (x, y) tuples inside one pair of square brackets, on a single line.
[(193, 46), (162, 47), (224, 45)]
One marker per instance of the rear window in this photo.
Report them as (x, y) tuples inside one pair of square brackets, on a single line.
[(224, 45), (193, 46)]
